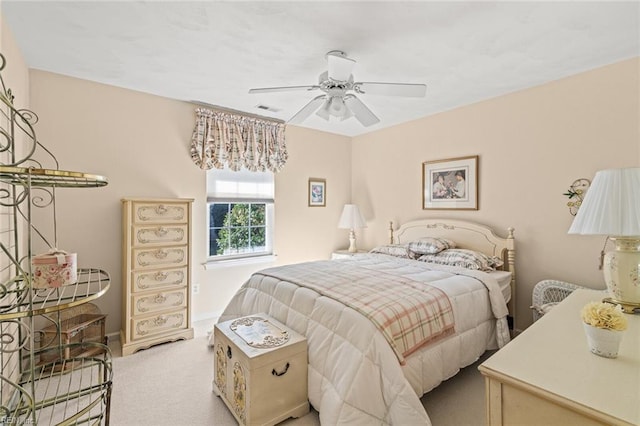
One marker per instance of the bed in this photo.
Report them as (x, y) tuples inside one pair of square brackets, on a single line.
[(363, 373)]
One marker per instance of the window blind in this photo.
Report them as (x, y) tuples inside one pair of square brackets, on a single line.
[(226, 186)]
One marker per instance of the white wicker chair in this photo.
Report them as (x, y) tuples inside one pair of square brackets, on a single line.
[(547, 294)]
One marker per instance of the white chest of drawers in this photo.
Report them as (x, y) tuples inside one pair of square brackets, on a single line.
[(260, 370), (156, 275), (548, 376)]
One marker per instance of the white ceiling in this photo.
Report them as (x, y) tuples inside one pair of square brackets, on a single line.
[(215, 52)]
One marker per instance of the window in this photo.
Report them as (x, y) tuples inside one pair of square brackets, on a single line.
[(240, 213), (237, 228)]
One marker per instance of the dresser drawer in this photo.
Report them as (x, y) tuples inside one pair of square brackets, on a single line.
[(154, 280), (143, 327), (159, 235), (160, 212), (159, 257), (161, 301)]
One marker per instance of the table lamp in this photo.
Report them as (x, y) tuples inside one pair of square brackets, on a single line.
[(612, 208), (351, 219)]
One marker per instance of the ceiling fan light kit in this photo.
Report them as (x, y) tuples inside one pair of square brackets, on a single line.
[(336, 102)]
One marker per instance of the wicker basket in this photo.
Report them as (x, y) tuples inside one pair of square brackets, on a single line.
[(547, 294)]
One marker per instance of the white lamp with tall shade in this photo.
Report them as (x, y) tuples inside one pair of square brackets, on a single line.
[(612, 207), (351, 219)]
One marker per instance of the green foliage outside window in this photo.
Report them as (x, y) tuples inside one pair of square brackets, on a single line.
[(237, 228)]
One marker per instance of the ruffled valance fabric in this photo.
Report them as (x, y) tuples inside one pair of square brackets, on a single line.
[(224, 139)]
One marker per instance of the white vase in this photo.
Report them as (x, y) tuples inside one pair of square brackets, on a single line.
[(602, 341)]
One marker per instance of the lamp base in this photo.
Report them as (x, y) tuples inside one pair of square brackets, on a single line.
[(352, 242), (622, 272), (627, 308)]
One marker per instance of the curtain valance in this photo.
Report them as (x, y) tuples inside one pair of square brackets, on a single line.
[(225, 139)]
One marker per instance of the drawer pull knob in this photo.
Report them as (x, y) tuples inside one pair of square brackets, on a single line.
[(160, 276), (229, 354), (160, 254), (275, 373), (159, 321)]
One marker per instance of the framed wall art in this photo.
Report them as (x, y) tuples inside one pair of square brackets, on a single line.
[(450, 184), (317, 192)]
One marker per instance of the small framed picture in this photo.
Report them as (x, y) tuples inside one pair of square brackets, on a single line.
[(317, 192), (450, 184)]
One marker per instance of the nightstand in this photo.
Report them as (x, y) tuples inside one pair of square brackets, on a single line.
[(344, 254), (547, 375)]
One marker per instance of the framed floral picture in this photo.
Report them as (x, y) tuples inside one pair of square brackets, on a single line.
[(317, 192), (450, 184)]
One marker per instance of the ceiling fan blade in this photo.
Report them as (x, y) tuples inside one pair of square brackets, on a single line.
[(392, 89), (307, 110), (340, 66), (283, 89), (360, 111), (323, 111)]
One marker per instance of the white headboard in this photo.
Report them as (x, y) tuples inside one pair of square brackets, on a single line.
[(467, 235)]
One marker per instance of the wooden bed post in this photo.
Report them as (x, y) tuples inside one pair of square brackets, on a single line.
[(391, 232), (511, 261)]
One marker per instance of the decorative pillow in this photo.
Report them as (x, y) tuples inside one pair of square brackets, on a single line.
[(430, 245), (463, 258), (495, 262), (397, 250)]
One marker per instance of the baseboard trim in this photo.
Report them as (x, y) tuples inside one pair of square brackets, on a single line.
[(113, 336)]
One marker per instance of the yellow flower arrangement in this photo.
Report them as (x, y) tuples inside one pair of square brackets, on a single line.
[(604, 315)]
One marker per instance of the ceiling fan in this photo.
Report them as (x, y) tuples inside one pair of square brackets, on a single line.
[(338, 100)]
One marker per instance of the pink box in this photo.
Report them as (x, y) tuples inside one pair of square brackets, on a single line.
[(54, 269)]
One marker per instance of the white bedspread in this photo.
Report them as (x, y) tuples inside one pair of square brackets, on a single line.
[(354, 375)]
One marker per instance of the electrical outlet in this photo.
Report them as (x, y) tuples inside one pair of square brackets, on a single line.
[(195, 288)]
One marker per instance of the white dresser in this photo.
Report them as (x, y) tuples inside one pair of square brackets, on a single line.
[(548, 376), (156, 272)]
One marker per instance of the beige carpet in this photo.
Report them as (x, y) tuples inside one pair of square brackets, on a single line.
[(170, 384)]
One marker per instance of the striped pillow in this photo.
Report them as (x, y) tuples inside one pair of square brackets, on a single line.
[(430, 245), (463, 258), (396, 250)]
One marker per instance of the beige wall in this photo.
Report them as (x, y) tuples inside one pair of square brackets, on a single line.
[(532, 145), (303, 232), (15, 74), (141, 143)]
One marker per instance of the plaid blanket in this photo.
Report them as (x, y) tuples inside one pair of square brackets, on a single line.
[(408, 313)]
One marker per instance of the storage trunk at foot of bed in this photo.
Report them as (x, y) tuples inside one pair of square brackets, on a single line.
[(260, 370)]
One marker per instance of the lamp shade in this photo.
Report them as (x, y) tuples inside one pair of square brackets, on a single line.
[(611, 206), (351, 218)]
